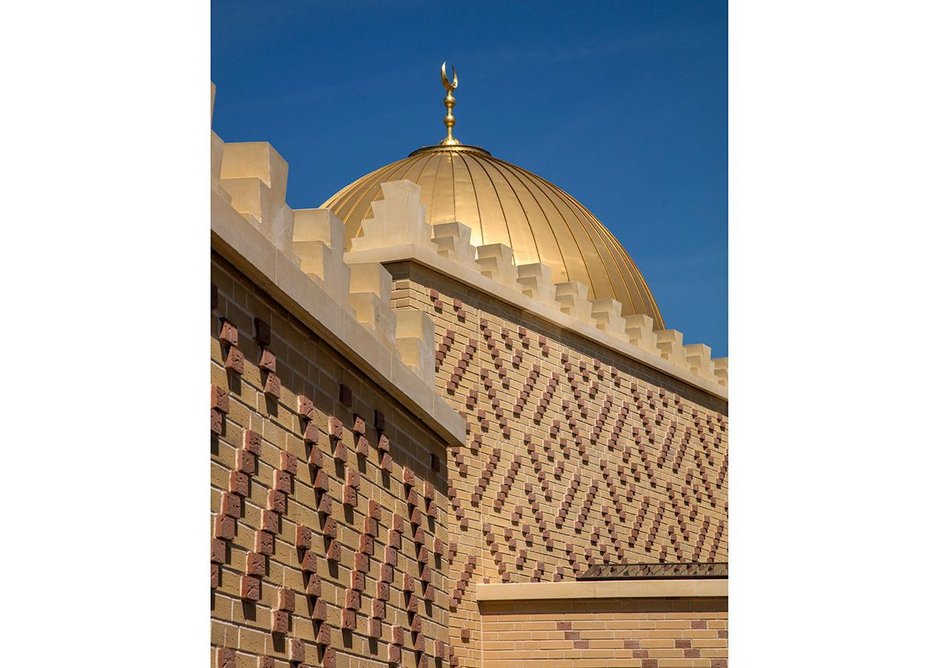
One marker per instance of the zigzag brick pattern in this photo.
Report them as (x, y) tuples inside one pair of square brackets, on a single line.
[(576, 456), (329, 524)]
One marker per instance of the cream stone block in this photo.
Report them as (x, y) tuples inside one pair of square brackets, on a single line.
[(640, 331), (697, 356), (453, 242), (573, 301), (256, 160), (398, 219), (721, 370), (370, 299), (608, 316), (325, 265), (415, 342), (537, 283), (370, 277), (376, 315), (496, 261), (319, 225), (318, 238), (218, 148), (255, 176), (671, 346)]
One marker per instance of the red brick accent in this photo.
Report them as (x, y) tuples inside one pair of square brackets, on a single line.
[(268, 361), (276, 501), (255, 564), (238, 483), (246, 462), (218, 550), (283, 481), (345, 394), (224, 527), (234, 361), (224, 657), (220, 398), (320, 611), (250, 588), (303, 537), (296, 649), (261, 332), (231, 505), (252, 442), (324, 637), (286, 599), (279, 621), (263, 542), (217, 421), (272, 385), (304, 406)]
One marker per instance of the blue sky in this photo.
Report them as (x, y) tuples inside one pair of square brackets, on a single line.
[(622, 104)]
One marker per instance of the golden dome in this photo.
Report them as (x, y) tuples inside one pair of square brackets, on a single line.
[(506, 204)]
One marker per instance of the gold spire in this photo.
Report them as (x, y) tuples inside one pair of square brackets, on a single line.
[(449, 120)]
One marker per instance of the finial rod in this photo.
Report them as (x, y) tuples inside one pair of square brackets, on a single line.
[(449, 120)]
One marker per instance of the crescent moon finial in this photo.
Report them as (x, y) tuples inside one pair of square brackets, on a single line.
[(449, 101)]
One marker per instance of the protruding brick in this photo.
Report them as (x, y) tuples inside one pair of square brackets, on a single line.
[(320, 611), (324, 636), (286, 599), (228, 332), (268, 361), (296, 650), (218, 551), (224, 657), (276, 501), (220, 399), (263, 542), (255, 564), (224, 527), (246, 462), (234, 361), (282, 481), (270, 521), (279, 621), (231, 505), (272, 385), (250, 588), (238, 483), (252, 442)]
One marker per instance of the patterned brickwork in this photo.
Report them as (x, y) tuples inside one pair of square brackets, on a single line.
[(329, 513), (576, 456), (616, 633)]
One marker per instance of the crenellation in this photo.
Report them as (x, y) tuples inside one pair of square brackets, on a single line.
[(254, 175), (497, 262), (607, 313), (453, 243)]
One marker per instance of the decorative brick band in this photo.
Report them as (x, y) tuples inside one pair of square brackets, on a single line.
[(539, 591)]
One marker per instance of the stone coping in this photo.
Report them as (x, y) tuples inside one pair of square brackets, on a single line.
[(242, 244), (540, 591), (474, 279)]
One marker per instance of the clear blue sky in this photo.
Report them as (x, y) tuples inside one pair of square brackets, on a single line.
[(622, 104)]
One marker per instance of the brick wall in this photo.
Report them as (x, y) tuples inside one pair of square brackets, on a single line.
[(612, 633), (576, 455), (329, 513)]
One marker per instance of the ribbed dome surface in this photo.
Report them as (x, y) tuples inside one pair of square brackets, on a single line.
[(504, 203)]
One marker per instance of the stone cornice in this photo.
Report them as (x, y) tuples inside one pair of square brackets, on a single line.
[(472, 278)]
